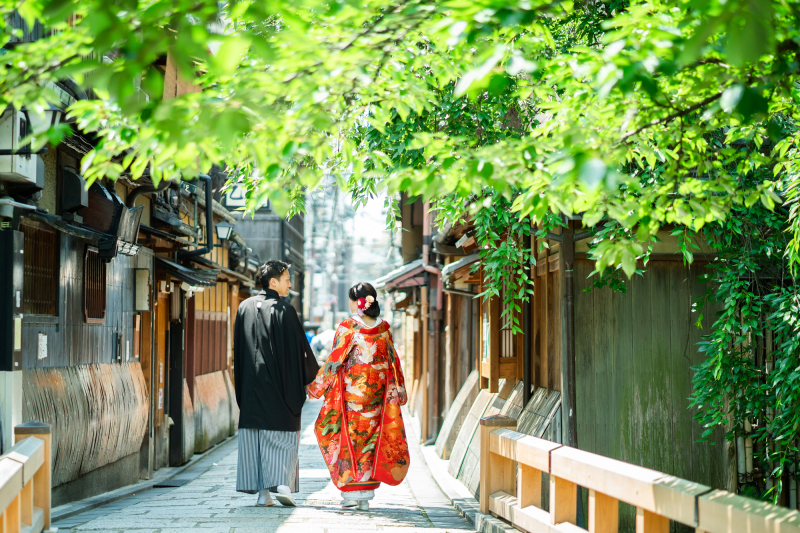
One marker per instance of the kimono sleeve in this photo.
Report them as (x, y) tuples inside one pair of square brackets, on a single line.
[(239, 346), (325, 379), (310, 366), (400, 380)]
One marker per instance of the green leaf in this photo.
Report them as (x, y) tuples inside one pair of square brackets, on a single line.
[(731, 97), (592, 172), (751, 104), (750, 34), (231, 53)]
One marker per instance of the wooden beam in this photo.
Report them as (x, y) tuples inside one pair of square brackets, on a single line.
[(722, 512), (653, 491), (647, 522), (529, 486), (10, 486), (497, 472), (507, 368), (469, 245), (603, 513), (43, 478), (563, 501), (526, 449)]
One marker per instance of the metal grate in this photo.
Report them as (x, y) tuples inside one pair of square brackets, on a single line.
[(94, 286), (40, 271), (171, 483)]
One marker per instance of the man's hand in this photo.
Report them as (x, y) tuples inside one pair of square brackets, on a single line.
[(331, 367)]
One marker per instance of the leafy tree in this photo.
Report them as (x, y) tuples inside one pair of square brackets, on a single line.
[(638, 115)]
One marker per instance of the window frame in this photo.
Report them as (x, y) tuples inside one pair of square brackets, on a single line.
[(94, 268), (29, 252)]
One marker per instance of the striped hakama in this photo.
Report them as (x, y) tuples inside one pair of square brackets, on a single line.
[(267, 459)]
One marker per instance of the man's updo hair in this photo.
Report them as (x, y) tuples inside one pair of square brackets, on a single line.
[(269, 270), (362, 290)]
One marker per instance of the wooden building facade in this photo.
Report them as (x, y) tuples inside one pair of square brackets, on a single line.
[(607, 372), (117, 306)]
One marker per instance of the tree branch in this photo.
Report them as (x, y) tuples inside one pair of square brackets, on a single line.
[(669, 118)]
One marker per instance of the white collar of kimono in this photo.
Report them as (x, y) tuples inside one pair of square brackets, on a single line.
[(360, 321)]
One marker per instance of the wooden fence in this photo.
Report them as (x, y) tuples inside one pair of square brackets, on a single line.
[(512, 465), (25, 480)]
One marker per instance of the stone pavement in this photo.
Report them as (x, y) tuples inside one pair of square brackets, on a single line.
[(209, 503)]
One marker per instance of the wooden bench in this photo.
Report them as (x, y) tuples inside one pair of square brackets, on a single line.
[(512, 464), (25, 481)]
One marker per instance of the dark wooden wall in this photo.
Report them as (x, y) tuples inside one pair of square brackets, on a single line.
[(70, 340), (210, 342), (634, 354), (460, 343), (546, 319), (207, 334)]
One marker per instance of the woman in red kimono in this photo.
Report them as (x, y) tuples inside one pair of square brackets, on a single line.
[(360, 428)]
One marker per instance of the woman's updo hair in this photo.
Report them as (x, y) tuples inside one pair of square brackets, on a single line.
[(362, 290)]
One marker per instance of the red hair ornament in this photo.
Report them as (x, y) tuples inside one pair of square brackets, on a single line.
[(364, 304)]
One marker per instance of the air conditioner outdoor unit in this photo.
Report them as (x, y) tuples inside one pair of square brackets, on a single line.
[(18, 168)]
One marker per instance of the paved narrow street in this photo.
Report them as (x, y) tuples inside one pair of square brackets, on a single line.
[(209, 502)]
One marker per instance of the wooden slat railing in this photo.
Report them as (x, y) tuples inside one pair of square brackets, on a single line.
[(25, 481), (512, 464)]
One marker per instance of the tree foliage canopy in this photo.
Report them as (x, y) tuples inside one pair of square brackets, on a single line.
[(642, 115), (623, 108)]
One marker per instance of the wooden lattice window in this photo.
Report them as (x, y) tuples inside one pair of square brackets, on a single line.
[(509, 343), (40, 271), (94, 287)]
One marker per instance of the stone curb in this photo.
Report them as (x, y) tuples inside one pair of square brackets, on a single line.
[(456, 492), (69, 510)]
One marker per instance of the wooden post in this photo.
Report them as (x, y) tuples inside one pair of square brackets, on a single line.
[(566, 290), (423, 380), (647, 522), (497, 472), (529, 486), (603, 513), (527, 336), (12, 517), (26, 503), (42, 480), (450, 362), (11, 480), (563, 501), (483, 380), (545, 309), (494, 344)]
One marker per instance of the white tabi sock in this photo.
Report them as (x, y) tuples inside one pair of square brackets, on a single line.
[(264, 498)]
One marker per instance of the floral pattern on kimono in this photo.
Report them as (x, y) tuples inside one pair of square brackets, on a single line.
[(365, 392)]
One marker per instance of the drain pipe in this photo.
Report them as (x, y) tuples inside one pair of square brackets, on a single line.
[(426, 250), (209, 245), (145, 189)]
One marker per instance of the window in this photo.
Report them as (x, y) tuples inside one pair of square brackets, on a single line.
[(40, 271), (94, 287)]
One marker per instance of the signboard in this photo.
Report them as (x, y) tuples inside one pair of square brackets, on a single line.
[(42, 351), (235, 197)]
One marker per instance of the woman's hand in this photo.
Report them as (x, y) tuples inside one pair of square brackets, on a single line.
[(402, 395)]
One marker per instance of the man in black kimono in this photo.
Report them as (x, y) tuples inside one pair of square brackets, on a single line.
[(273, 363)]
